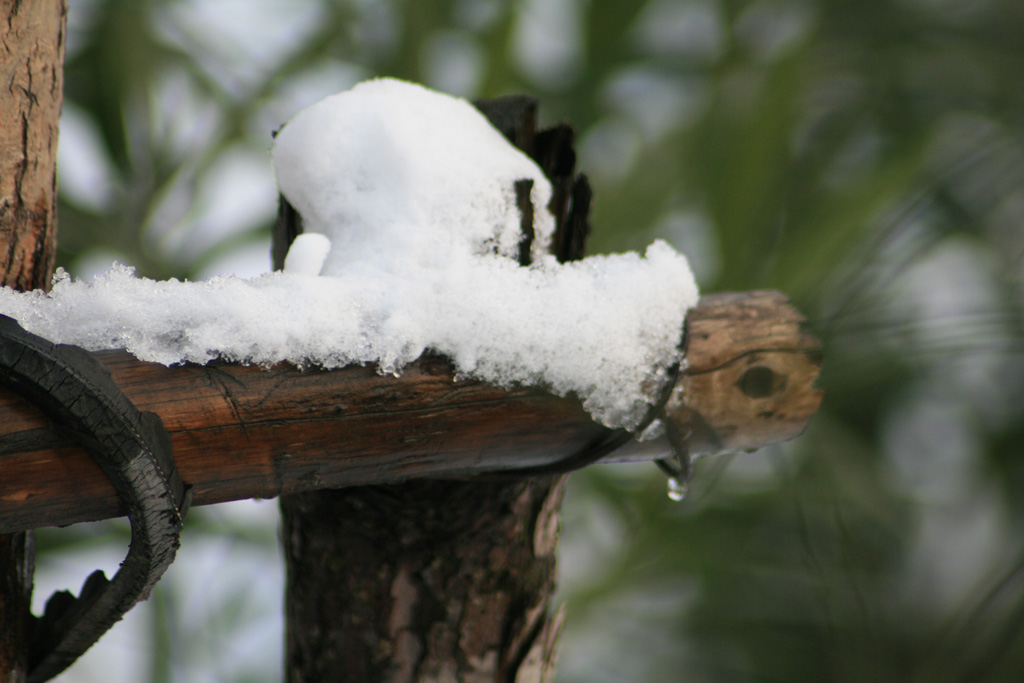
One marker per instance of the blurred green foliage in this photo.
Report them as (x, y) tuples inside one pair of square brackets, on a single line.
[(863, 157)]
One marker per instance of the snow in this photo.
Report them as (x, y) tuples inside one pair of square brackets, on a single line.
[(307, 254), (411, 236), (393, 167)]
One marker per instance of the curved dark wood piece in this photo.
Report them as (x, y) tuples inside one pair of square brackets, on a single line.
[(133, 451)]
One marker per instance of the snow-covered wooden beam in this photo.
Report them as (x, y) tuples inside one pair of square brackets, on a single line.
[(245, 432)]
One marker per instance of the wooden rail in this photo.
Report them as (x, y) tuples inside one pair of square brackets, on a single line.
[(245, 432)]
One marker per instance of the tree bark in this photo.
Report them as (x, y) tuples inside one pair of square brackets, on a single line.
[(32, 55), (426, 581), (31, 68)]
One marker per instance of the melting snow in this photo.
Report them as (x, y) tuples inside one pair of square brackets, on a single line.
[(411, 235)]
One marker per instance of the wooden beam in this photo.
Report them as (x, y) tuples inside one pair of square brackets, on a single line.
[(245, 432)]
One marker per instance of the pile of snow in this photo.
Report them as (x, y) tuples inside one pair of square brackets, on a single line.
[(411, 233), (399, 176)]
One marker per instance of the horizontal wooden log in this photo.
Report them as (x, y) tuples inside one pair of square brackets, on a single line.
[(245, 432)]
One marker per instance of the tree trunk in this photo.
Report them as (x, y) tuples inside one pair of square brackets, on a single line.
[(32, 59), (32, 55), (426, 581)]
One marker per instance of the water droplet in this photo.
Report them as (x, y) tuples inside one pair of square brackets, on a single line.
[(677, 490)]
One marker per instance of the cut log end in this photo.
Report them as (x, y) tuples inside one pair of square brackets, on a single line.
[(751, 377)]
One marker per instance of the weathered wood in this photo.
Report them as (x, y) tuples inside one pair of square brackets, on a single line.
[(427, 581), (752, 374), (31, 92), (246, 432)]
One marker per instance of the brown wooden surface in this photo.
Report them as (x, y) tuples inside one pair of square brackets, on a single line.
[(752, 374), (32, 78), (245, 432)]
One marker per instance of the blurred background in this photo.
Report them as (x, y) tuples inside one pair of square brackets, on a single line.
[(866, 157)]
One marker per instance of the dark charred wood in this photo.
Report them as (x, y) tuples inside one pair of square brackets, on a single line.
[(515, 116)]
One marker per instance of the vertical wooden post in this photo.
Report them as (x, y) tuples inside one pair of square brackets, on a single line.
[(31, 92), (432, 580), (425, 581)]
